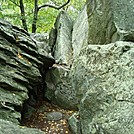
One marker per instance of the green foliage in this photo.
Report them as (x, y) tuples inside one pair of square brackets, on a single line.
[(10, 11)]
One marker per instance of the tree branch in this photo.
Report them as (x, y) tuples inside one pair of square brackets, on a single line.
[(52, 6), (15, 3)]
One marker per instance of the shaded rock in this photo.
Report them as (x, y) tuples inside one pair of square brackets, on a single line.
[(7, 127), (103, 22), (42, 41), (107, 105), (28, 112), (54, 116), (63, 46), (52, 40), (59, 87), (110, 21), (60, 90), (20, 70)]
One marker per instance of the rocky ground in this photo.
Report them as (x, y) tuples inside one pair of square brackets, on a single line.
[(49, 118)]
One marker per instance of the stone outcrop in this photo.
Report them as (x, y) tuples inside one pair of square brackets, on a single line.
[(20, 70), (7, 127), (93, 72), (110, 21), (80, 32), (42, 41), (59, 87), (100, 79), (107, 105), (104, 72), (58, 79), (62, 47)]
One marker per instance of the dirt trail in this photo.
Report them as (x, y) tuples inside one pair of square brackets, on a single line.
[(39, 119)]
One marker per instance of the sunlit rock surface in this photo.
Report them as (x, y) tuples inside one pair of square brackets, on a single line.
[(107, 105), (63, 46)]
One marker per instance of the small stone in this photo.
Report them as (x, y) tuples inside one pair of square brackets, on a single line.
[(54, 116)]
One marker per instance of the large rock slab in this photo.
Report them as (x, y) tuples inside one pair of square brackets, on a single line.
[(107, 103), (110, 21), (103, 22), (80, 32), (20, 75), (63, 46), (59, 86)]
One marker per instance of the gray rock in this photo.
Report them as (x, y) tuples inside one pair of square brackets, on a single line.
[(7, 127), (59, 87), (54, 116), (80, 32), (42, 41), (63, 45), (103, 22), (20, 67), (107, 105), (110, 21)]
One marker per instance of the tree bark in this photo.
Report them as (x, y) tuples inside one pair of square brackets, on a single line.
[(35, 17), (23, 17)]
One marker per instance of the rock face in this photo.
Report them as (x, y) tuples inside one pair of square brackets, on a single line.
[(107, 106), (63, 46), (20, 73), (110, 21), (103, 22), (7, 127), (59, 87), (93, 72), (42, 41), (58, 79), (80, 32), (100, 80)]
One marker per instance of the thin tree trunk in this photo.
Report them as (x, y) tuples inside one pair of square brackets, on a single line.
[(23, 17), (35, 17), (36, 10)]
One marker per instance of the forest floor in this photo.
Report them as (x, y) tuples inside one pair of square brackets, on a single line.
[(40, 121)]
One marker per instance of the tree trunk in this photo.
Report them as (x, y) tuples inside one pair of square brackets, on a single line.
[(35, 16), (23, 17)]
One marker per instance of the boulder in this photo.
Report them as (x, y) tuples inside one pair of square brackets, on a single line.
[(63, 46), (80, 32), (20, 75), (107, 103), (103, 22), (7, 127), (54, 116), (59, 87), (110, 21)]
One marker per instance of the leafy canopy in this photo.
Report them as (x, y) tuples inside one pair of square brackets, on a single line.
[(10, 11)]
